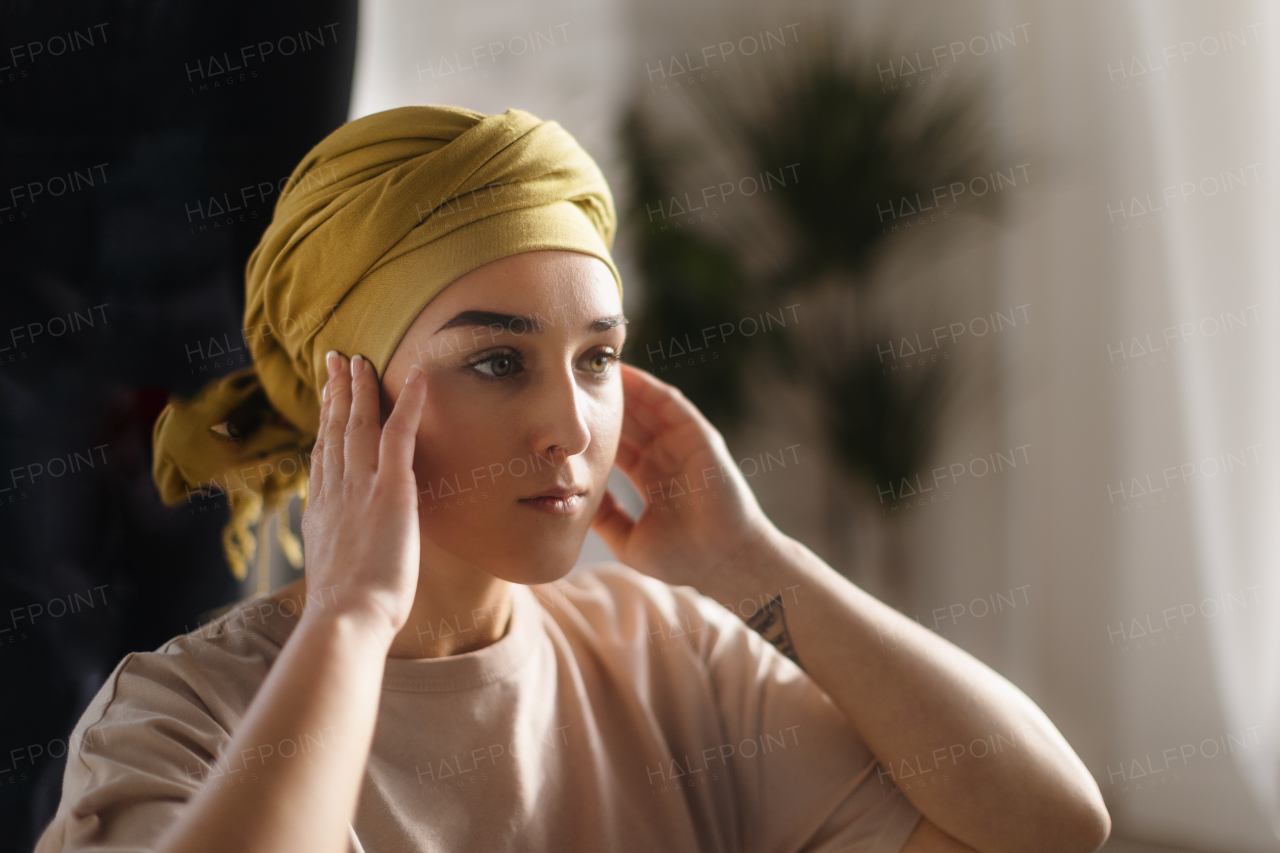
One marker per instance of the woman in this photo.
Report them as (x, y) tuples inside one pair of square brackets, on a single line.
[(432, 683)]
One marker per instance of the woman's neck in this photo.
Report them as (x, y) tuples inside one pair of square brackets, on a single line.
[(453, 613)]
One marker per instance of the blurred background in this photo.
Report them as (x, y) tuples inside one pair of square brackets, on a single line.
[(983, 296)]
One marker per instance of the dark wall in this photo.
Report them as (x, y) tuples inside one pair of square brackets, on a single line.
[(142, 146)]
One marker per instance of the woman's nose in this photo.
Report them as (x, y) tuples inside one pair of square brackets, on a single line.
[(560, 426)]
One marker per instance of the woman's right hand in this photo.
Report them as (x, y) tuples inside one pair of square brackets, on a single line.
[(360, 528)]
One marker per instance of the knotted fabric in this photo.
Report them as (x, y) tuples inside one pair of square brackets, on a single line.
[(455, 189)]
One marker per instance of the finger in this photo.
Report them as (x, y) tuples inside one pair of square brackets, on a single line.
[(642, 387), (400, 433), (339, 409), (639, 422), (662, 407), (629, 461), (362, 432), (627, 457), (613, 525), (649, 395), (634, 429)]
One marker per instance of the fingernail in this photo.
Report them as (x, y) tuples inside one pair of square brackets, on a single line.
[(357, 364), (324, 393), (330, 360), (410, 375)]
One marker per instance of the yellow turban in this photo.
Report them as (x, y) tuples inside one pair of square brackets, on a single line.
[(332, 272)]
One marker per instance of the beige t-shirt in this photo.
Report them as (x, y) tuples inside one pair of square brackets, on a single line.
[(616, 713)]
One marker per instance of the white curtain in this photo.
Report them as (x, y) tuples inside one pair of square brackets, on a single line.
[(1152, 387), (1229, 395)]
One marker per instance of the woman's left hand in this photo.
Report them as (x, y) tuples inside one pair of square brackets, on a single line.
[(701, 517), (703, 527)]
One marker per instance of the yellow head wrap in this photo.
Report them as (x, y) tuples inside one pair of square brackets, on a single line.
[(331, 273)]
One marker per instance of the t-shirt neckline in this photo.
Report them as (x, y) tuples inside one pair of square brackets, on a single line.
[(483, 666)]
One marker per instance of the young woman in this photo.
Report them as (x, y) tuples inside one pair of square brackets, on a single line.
[(434, 683)]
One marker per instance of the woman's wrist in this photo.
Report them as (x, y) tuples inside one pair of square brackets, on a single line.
[(355, 624), (750, 567)]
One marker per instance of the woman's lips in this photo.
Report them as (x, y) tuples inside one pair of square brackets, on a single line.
[(555, 504)]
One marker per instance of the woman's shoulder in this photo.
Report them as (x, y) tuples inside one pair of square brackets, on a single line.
[(150, 734), (213, 670)]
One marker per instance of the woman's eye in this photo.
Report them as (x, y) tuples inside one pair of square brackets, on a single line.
[(600, 362), (497, 366)]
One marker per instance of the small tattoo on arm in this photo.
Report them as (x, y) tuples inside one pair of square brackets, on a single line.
[(770, 622)]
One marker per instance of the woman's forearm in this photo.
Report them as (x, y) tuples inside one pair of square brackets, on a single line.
[(360, 535), (969, 749), (321, 694)]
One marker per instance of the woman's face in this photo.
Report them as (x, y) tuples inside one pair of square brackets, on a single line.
[(523, 411)]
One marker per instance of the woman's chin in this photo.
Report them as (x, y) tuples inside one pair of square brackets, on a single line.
[(524, 547), (544, 559), (542, 573)]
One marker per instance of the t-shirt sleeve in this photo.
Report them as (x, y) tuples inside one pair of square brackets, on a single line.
[(140, 751), (805, 781)]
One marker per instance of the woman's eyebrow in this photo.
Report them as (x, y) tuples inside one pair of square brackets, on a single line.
[(524, 323), (604, 324), (493, 318)]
